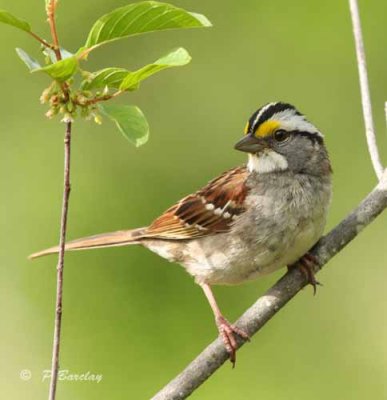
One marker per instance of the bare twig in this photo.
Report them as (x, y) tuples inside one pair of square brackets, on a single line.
[(51, 8), (51, 21), (200, 369), (42, 41), (364, 89), (63, 224), (62, 241)]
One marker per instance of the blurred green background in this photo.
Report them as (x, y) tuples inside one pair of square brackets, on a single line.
[(133, 317)]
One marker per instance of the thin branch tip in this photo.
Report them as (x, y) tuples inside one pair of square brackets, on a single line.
[(364, 89)]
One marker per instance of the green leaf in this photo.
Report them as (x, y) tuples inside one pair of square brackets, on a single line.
[(61, 70), (120, 78), (31, 63), (137, 18), (8, 18), (175, 58), (111, 77), (130, 121)]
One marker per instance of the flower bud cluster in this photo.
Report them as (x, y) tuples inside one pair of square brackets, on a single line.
[(79, 103)]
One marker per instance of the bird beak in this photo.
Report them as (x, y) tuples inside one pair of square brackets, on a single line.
[(250, 144)]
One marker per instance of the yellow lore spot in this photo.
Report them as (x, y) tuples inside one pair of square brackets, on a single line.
[(267, 128), (246, 129)]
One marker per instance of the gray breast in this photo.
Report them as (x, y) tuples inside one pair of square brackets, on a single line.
[(286, 216)]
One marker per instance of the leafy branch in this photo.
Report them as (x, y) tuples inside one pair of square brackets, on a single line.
[(64, 97)]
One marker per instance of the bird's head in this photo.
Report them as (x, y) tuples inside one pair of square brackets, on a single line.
[(280, 138)]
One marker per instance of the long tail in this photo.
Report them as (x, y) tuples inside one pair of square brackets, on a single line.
[(119, 238)]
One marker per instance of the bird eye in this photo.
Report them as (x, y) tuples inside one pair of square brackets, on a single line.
[(281, 135)]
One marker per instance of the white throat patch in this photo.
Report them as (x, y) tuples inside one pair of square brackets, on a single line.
[(267, 161)]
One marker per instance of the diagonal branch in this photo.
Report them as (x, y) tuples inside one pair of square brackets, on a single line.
[(200, 369), (364, 89)]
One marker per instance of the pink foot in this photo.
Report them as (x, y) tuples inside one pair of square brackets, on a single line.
[(227, 332)]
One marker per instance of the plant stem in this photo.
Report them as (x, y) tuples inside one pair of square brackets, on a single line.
[(60, 265), (51, 21), (106, 97), (42, 41), (63, 222)]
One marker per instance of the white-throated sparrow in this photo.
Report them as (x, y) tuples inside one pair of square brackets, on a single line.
[(249, 221)]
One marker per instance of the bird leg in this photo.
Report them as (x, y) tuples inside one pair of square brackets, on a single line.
[(306, 265), (226, 330)]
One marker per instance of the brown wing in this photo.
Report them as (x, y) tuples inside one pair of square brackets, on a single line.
[(210, 210)]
